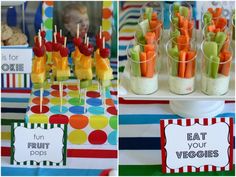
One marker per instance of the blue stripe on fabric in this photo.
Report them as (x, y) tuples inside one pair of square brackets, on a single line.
[(16, 89), (142, 143), (155, 118), (15, 100), (122, 47), (18, 171), (139, 143), (13, 110), (2, 78), (122, 58), (124, 15)]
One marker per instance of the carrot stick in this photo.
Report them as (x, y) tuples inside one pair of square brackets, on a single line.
[(211, 28), (150, 63), (182, 59), (143, 58), (155, 26), (149, 47), (150, 37), (226, 66), (221, 23), (154, 16), (183, 42), (190, 66)]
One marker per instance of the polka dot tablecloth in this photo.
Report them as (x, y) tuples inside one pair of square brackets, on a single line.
[(95, 123)]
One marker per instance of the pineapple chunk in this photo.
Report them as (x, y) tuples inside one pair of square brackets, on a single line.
[(63, 74), (38, 77), (104, 74), (82, 73)]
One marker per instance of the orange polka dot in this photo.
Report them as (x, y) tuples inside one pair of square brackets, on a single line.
[(109, 102), (72, 87), (36, 100), (78, 121), (49, 3), (106, 35), (56, 93), (106, 13)]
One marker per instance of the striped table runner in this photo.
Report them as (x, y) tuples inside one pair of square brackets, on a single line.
[(139, 121)]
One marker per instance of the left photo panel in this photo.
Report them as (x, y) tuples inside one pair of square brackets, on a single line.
[(59, 102)]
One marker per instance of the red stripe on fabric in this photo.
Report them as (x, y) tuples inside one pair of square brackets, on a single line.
[(205, 121), (213, 120), (14, 80), (206, 168), (172, 170), (81, 153), (170, 121), (188, 122), (196, 120), (126, 38), (123, 101), (222, 119), (213, 168), (163, 154), (181, 170), (179, 121), (231, 138), (197, 169), (131, 6), (8, 82), (189, 168), (15, 91), (222, 169)]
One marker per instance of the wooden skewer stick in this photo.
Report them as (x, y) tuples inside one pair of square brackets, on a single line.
[(87, 41), (103, 42), (78, 30), (60, 92), (100, 32), (55, 37), (79, 90), (41, 100), (85, 38), (55, 28), (104, 98), (65, 41), (85, 95), (60, 32)]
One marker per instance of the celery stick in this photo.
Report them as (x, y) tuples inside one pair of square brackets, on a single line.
[(174, 34), (176, 7), (220, 40), (210, 36), (135, 65), (209, 49), (174, 53), (143, 27), (175, 21), (184, 11), (207, 17), (148, 13), (215, 61)]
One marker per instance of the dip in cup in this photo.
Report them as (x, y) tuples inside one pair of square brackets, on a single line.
[(215, 68), (143, 66), (181, 65)]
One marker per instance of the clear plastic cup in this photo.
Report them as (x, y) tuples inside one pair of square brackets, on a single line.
[(157, 8), (182, 3), (144, 70), (191, 32), (181, 73), (215, 73)]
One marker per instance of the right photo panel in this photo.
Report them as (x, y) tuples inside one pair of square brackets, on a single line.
[(176, 88)]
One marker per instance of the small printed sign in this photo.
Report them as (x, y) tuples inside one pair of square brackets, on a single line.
[(16, 60), (38, 144), (195, 145)]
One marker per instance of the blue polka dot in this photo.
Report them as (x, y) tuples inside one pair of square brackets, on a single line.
[(94, 102), (77, 110), (115, 101), (45, 93), (96, 110), (112, 138), (56, 110), (108, 94), (27, 109), (49, 35), (49, 12), (26, 119)]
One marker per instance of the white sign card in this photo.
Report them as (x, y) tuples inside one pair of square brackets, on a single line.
[(16, 60), (195, 145), (35, 144)]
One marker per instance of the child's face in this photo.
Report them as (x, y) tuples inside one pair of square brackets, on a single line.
[(76, 18)]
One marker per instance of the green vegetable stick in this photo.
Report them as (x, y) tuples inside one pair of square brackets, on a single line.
[(174, 53), (148, 13), (143, 27), (176, 7), (215, 61), (209, 49), (135, 66), (175, 21), (184, 11), (207, 18), (220, 40), (174, 34)]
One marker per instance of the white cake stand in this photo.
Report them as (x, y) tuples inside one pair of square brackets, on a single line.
[(197, 109)]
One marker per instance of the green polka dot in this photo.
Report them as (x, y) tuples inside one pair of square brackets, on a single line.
[(93, 87), (48, 23), (113, 122), (76, 101)]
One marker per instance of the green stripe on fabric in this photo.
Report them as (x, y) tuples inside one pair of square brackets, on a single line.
[(155, 170), (121, 69), (25, 163), (10, 121), (65, 144), (12, 140), (44, 163), (31, 162)]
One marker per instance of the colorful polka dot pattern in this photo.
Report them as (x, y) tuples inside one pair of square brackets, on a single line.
[(107, 20), (95, 123), (47, 16)]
